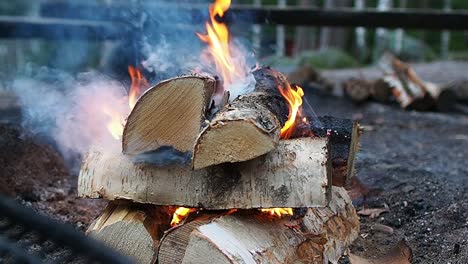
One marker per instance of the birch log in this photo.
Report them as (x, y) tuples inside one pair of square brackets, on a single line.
[(132, 229), (321, 236), (246, 128), (296, 174), (169, 114)]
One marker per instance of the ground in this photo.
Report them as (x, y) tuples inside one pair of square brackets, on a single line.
[(413, 162)]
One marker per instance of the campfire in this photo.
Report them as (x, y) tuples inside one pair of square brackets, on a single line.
[(223, 168)]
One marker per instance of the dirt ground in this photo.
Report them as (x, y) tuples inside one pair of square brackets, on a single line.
[(413, 162)]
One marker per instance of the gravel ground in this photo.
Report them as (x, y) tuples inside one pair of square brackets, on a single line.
[(416, 164)]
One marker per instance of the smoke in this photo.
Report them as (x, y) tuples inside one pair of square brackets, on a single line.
[(73, 112)]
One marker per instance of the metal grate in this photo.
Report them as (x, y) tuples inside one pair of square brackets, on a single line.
[(27, 237)]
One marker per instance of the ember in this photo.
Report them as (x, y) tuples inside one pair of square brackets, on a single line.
[(279, 212), (180, 214)]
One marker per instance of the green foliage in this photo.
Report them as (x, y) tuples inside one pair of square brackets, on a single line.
[(330, 58)]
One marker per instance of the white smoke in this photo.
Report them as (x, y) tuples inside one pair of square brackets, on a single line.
[(72, 111)]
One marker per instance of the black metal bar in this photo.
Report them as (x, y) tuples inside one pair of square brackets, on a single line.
[(60, 29), (59, 233), (371, 18)]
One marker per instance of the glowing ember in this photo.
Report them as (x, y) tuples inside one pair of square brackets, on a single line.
[(217, 37), (138, 86), (180, 214), (294, 98), (279, 212)]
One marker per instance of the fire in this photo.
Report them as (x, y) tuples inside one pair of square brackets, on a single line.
[(217, 37), (116, 123), (139, 85), (294, 98), (180, 214), (279, 212)]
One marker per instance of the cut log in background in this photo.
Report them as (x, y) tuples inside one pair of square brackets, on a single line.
[(295, 174), (319, 235), (247, 127), (169, 114)]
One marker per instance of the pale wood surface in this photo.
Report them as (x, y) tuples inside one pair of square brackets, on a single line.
[(169, 114), (296, 174), (321, 236)]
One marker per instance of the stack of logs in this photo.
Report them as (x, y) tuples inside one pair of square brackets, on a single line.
[(223, 162), (400, 82)]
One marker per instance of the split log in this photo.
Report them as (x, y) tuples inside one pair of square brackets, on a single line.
[(246, 128), (296, 174), (132, 229), (320, 236), (169, 114)]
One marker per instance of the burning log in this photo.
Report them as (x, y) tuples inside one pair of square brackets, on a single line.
[(320, 236), (295, 174), (246, 128), (169, 114), (132, 229)]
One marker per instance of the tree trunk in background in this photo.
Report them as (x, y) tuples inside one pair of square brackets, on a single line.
[(399, 33), (325, 31), (445, 37), (381, 34), (305, 36), (360, 33), (334, 37), (280, 34), (257, 31)]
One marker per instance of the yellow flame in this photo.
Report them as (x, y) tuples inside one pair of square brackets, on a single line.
[(294, 99), (279, 212), (217, 38), (180, 214), (115, 125)]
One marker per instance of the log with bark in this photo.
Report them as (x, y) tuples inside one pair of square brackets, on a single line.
[(344, 135), (320, 236), (169, 114), (359, 90), (247, 127), (295, 174), (132, 229)]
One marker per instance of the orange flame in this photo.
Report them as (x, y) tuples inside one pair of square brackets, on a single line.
[(180, 214), (279, 212), (217, 38), (139, 85), (294, 98)]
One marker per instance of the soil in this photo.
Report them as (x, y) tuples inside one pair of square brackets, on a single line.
[(416, 164), (35, 174), (413, 162)]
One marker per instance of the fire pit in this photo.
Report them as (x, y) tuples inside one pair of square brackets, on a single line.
[(229, 168)]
